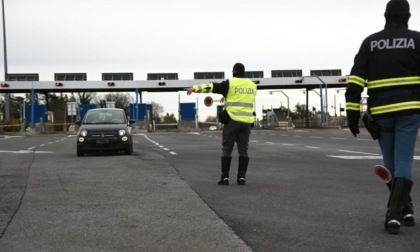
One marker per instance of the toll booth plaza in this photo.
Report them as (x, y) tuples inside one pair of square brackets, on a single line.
[(160, 82)]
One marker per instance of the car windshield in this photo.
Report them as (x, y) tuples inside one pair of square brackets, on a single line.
[(105, 117)]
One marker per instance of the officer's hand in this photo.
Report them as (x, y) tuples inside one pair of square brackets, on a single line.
[(189, 90), (353, 121)]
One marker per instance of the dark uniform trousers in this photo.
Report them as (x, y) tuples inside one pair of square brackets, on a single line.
[(238, 132)]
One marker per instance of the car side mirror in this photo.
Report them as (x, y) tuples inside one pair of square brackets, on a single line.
[(78, 122), (131, 121)]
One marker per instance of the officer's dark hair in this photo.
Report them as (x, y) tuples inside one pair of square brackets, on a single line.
[(238, 70), (398, 10)]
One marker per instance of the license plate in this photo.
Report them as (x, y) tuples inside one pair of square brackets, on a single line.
[(102, 141)]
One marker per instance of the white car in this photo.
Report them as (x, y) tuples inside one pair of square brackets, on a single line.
[(212, 128)]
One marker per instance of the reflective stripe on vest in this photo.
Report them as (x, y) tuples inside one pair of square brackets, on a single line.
[(395, 107), (247, 114), (204, 88), (353, 106), (357, 80), (412, 80), (239, 104)]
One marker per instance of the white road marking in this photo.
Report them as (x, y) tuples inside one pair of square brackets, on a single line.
[(364, 157), (161, 146), (358, 152), (25, 152), (355, 157), (312, 147), (6, 137)]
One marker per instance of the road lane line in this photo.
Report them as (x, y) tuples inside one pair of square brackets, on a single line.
[(358, 152), (355, 157)]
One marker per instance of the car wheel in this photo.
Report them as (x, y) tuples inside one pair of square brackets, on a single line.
[(80, 153), (129, 150)]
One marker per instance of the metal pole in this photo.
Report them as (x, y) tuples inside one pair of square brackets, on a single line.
[(307, 109), (326, 98), (196, 114), (4, 41), (136, 108), (322, 105), (6, 96), (32, 108), (335, 112), (288, 109)]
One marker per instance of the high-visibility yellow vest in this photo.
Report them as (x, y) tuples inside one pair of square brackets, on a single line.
[(239, 102)]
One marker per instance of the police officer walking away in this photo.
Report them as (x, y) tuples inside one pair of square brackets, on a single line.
[(238, 116), (388, 64)]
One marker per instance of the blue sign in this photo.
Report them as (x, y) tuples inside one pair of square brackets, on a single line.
[(187, 111), (141, 111), (83, 108), (39, 112)]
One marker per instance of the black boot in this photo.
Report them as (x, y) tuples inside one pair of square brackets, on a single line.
[(400, 194), (242, 167), (408, 214), (408, 211), (224, 179)]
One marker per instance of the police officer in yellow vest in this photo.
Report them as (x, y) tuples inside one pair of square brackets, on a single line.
[(239, 93), (388, 64)]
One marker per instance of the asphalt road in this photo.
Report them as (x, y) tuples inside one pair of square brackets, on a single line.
[(307, 190)]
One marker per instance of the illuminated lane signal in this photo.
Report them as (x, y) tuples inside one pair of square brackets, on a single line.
[(111, 84), (342, 80), (256, 81), (58, 84), (3, 85)]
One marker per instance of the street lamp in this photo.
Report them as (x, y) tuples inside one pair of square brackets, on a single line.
[(288, 108)]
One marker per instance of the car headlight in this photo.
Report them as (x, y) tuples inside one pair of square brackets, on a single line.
[(121, 132), (83, 133)]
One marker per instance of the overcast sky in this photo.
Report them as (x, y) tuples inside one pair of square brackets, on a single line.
[(186, 36)]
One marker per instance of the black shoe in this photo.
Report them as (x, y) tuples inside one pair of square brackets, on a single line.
[(223, 181), (392, 226), (241, 181), (408, 220), (408, 215)]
